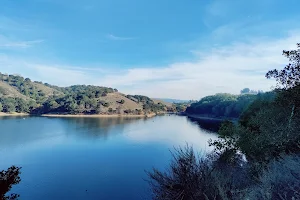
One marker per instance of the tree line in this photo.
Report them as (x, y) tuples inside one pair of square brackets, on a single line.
[(223, 105)]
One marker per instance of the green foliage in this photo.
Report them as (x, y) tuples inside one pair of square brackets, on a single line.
[(25, 87), (122, 101), (73, 99), (288, 77), (9, 178), (140, 99), (280, 181), (1, 107), (11, 104), (180, 107), (148, 104), (105, 104), (222, 105), (194, 177), (245, 91), (45, 98), (263, 149)]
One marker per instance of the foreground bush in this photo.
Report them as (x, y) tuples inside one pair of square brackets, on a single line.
[(280, 181), (192, 177), (9, 178)]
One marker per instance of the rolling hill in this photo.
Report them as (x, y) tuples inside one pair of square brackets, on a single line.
[(18, 94)]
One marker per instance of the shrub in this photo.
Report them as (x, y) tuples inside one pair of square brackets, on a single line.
[(9, 178), (280, 181), (122, 101), (193, 177), (105, 104)]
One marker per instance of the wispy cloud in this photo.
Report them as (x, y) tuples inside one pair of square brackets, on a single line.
[(20, 44), (224, 69), (113, 37)]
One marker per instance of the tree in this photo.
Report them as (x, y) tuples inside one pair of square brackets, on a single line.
[(119, 110), (289, 76), (9, 107), (1, 107), (99, 108), (245, 91), (9, 178), (122, 101)]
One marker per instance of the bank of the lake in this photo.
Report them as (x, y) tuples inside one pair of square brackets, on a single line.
[(2, 114), (203, 117), (99, 116)]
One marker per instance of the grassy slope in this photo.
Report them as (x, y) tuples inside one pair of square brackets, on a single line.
[(9, 91), (47, 90), (113, 98)]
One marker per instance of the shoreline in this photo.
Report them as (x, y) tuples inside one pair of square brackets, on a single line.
[(199, 117), (98, 116), (2, 114)]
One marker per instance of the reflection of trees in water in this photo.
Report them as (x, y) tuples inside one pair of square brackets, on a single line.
[(207, 124), (98, 127)]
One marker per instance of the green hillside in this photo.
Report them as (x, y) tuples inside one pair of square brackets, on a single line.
[(18, 94)]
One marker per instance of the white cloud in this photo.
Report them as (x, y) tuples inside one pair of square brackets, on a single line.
[(219, 69), (113, 37), (8, 43), (224, 69), (60, 75)]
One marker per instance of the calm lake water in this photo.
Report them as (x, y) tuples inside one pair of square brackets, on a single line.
[(92, 158)]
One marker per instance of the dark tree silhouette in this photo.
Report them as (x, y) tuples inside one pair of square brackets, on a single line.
[(245, 91), (288, 77), (9, 178)]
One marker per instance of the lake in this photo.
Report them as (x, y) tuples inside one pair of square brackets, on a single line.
[(92, 158)]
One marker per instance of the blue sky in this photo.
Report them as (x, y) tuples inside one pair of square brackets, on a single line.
[(160, 48)]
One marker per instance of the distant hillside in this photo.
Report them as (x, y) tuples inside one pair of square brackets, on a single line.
[(18, 94), (224, 105), (172, 100)]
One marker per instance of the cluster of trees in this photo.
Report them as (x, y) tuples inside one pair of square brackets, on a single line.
[(248, 91), (77, 99), (73, 99), (222, 105), (43, 98), (11, 104), (148, 104), (89, 91), (25, 87), (258, 158), (140, 99)]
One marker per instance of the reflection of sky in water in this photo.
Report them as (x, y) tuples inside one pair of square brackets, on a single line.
[(62, 157), (171, 131)]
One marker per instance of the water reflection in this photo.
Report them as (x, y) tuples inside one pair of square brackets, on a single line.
[(173, 131), (20, 131), (209, 125), (97, 127)]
